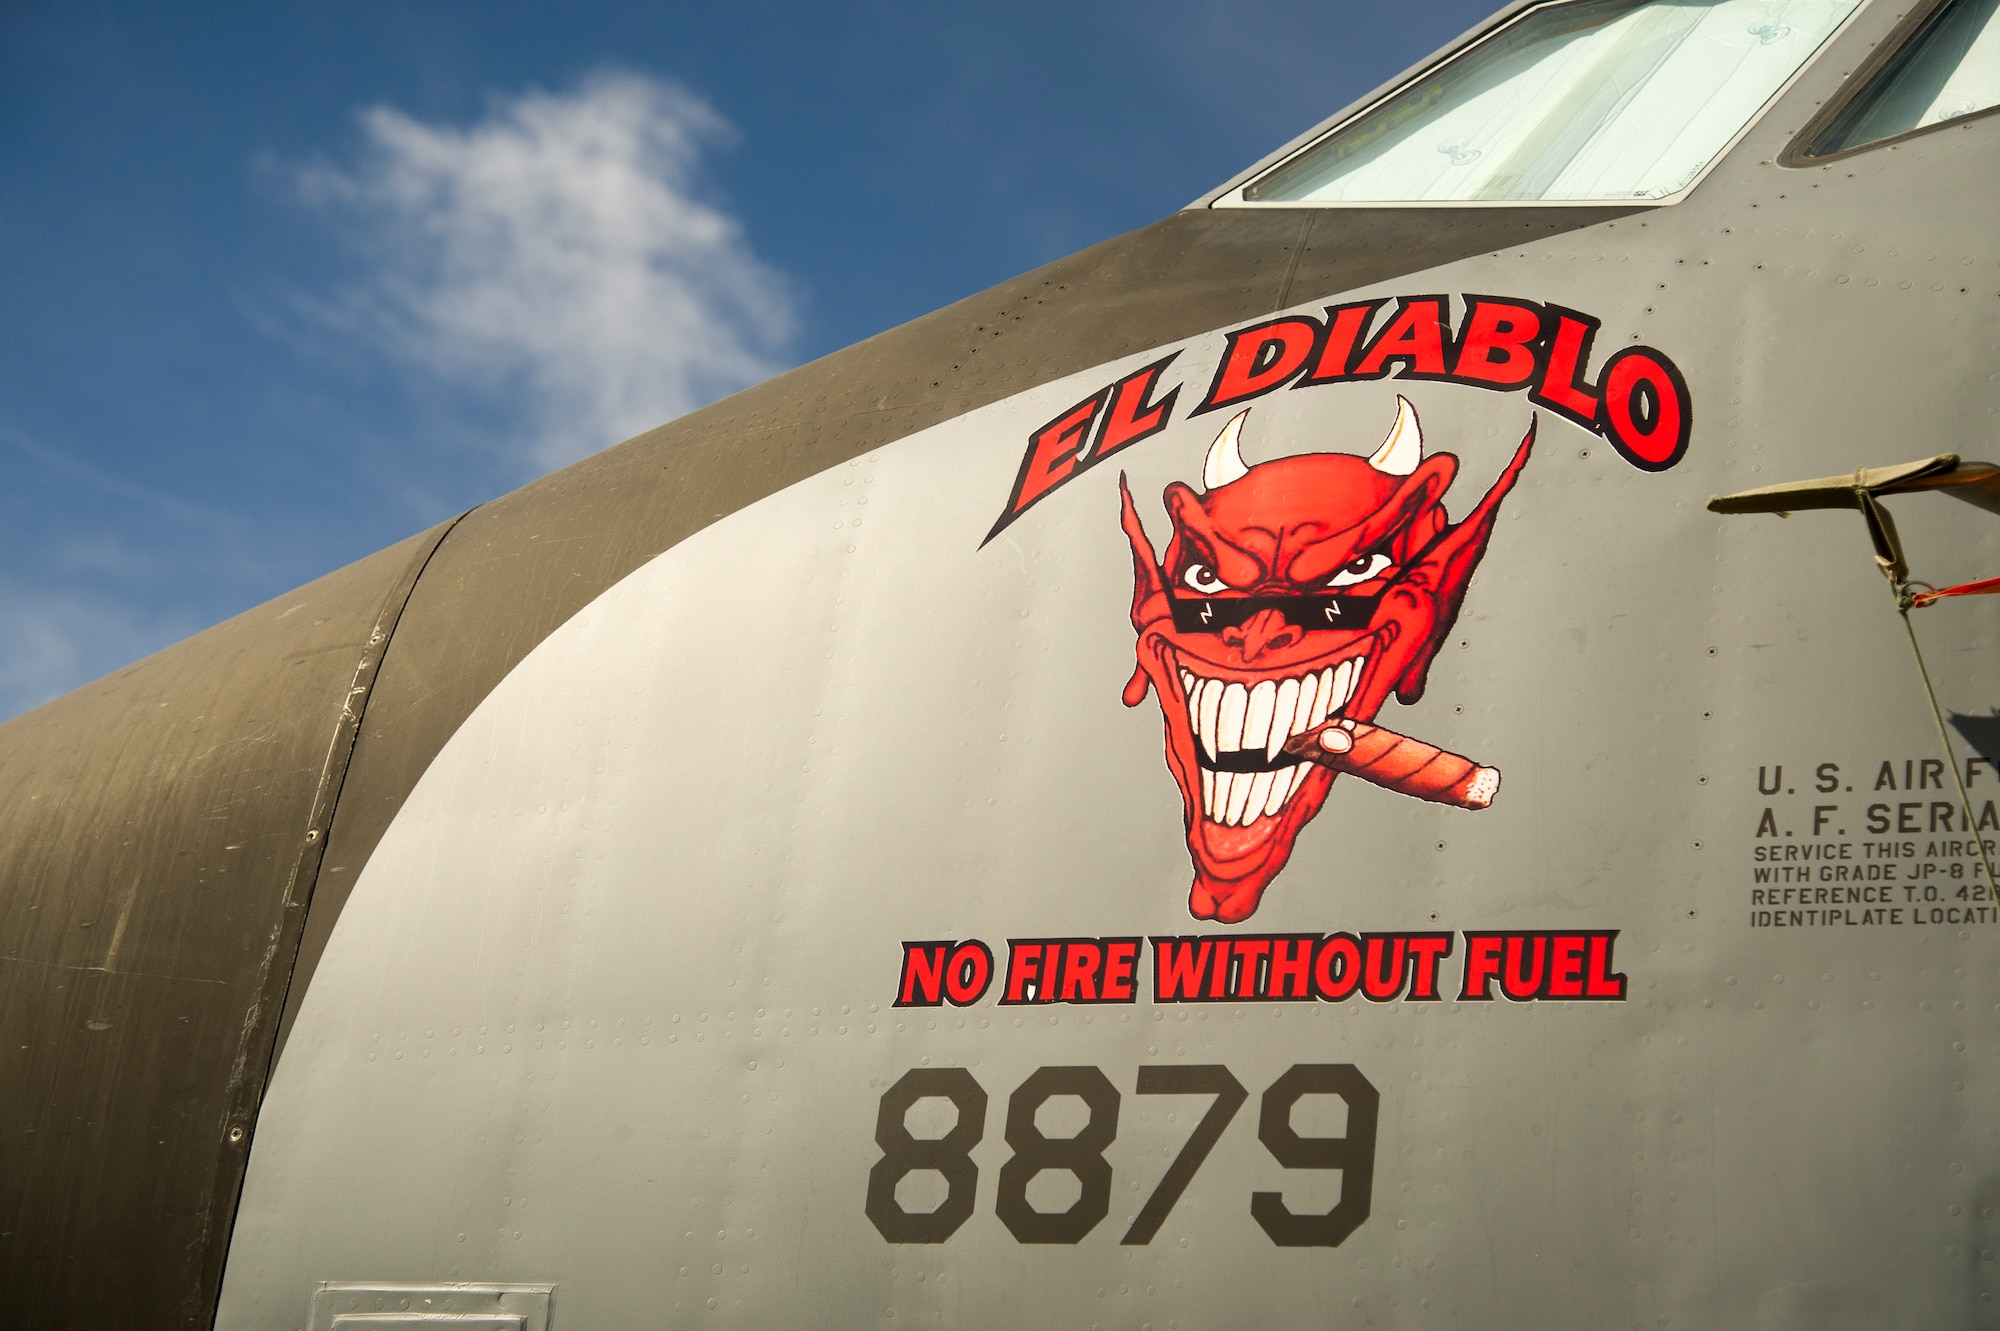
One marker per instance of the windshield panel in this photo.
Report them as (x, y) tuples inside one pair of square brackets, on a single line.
[(1952, 69), (1594, 100)]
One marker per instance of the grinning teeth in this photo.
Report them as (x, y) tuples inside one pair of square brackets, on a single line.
[(1302, 720), (1229, 726), (1323, 698), (1284, 719), (1281, 789), (1211, 701), (1257, 722), (1260, 792), (1232, 717), (1239, 795)]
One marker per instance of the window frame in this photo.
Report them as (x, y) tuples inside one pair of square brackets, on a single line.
[(1230, 196), (1798, 153)]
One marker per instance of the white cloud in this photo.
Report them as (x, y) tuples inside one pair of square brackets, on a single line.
[(559, 255)]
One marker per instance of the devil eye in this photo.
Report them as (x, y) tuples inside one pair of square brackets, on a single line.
[(1202, 578), (1359, 569)]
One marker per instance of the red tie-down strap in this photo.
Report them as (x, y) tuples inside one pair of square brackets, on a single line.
[(1984, 587)]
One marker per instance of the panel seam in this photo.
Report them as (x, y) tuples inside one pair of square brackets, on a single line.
[(1298, 253), (247, 1080)]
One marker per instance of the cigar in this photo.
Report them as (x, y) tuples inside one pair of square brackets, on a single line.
[(1397, 762)]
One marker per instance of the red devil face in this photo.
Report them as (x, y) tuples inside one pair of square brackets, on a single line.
[(1292, 592)]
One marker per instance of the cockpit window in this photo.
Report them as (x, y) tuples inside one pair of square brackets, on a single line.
[(1582, 101), (1950, 68)]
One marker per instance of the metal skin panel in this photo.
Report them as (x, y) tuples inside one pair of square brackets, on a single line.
[(516, 568), (455, 1307), (224, 741), (158, 832), (611, 1004)]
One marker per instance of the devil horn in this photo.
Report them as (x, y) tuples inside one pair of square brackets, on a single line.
[(1404, 448), (1225, 455)]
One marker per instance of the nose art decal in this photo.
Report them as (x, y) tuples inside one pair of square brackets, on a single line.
[(1295, 596)]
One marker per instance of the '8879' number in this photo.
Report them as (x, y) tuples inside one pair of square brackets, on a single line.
[(1083, 1154)]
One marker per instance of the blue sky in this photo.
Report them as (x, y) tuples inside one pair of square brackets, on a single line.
[(283, 284)]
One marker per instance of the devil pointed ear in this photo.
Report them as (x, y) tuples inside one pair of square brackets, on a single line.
[(1445, 569), (1147, 581), (1178, 500)]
